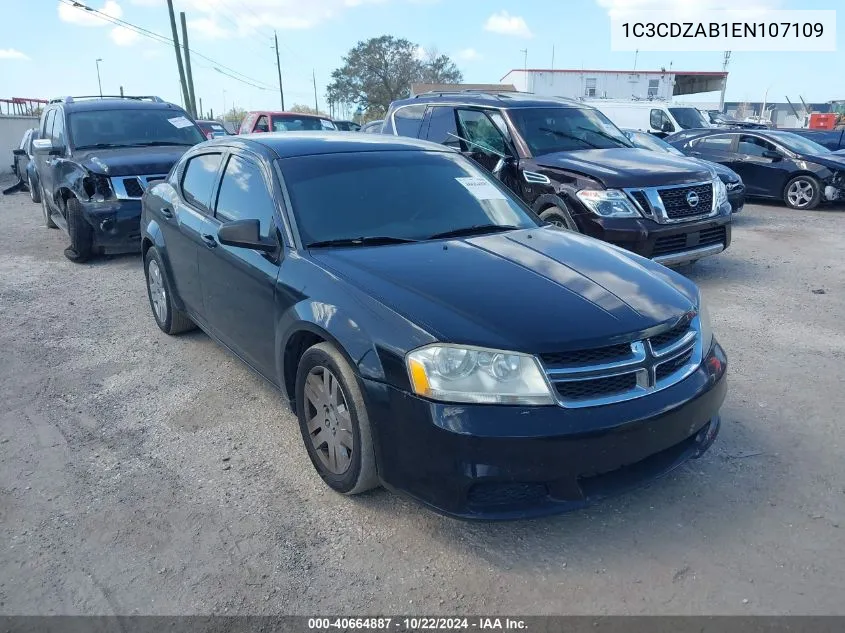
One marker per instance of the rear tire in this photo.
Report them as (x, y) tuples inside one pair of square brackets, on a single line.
[(332, 416), (169, 319), (34, 192), (81, 234), (559, 217), (802, 192)]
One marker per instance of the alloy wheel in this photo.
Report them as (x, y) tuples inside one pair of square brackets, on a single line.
[(800, 193), (328, 420), (158, 293)]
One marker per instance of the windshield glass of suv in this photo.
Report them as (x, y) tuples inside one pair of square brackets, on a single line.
[(799, 144), (132, 127), (644, 140), (300, 124), (403, 194), (547, 130), (689, 118)]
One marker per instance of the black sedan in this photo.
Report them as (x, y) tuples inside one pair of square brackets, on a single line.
[(432, 333), (23, 165), (772, 164), (733, 183)]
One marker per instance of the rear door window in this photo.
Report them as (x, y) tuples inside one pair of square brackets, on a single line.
[(200, 178), (721, 143), (408, 120), (442, 127)]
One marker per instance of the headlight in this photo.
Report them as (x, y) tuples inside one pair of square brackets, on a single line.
[(610, 203), (454, 373), (720, 191), (705, 326)]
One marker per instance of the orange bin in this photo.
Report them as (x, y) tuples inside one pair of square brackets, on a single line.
[(822, 121)]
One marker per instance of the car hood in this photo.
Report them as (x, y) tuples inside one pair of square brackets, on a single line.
[(725, 173), (628, 167), (131, 161), (532, 290), (831, 161)]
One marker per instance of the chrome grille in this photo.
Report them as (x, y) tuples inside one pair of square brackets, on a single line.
[(617, 373), (669, 205), (133, 187)]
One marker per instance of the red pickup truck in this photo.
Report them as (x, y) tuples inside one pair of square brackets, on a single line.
[(264, 121)]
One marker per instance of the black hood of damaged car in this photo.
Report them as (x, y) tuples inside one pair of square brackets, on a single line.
[(131, 161), (530, 290), (622, 167), (833, 160)]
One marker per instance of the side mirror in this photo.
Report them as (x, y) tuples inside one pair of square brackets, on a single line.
[(775, 156), (19, 152), (500, 166), (245, 234), (44, 146)]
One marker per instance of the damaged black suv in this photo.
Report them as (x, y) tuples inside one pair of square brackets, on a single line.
[(94, 159)]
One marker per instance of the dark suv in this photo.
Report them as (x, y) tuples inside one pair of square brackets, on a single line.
[(94, 159), (578, 170)]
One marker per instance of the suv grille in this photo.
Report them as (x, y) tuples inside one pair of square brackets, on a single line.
[(622, 372), (715, 235), (133, 187), (676, 203), (642, 200)]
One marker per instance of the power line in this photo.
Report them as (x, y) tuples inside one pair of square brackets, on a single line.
[(166, 40)]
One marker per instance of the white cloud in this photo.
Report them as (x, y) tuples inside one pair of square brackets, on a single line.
[(208, 28), (420, 54), (11, 53), (123, 36), (81, 17), (507, 24), (468, 55), (616, 8)]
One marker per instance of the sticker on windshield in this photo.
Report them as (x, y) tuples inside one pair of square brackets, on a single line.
[(481, 189), (180, 122)]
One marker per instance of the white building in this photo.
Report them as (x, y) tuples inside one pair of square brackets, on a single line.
[(615, 84)]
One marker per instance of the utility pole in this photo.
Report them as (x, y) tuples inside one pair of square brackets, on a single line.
[(316, 105), (121, 91), (725, 62), (193, 107), (278, 67), (636, 54), (202, 114), (186, 98), (553, 56)]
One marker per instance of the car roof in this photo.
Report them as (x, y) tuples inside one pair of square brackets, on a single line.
[(284, 113), (290, 144), (118, 104), (493, 99)]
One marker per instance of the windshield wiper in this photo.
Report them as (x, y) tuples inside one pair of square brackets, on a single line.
[(606, 135), (565, 135), (373, 240), (100, 146), (476, 229)]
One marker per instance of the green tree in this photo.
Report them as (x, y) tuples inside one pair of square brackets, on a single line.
[(382, 69)]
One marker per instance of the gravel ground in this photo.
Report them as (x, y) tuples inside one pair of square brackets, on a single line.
[(147, 474)]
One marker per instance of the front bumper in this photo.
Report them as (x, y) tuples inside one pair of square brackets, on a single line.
[(509, 462), (665, 243), (737, 198), (116, 224)]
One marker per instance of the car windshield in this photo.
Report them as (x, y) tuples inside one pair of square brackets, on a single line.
[(408, 195), (294, 123), (689, 118), (799, 144), (644, 140), (132, 127), (547, 130)]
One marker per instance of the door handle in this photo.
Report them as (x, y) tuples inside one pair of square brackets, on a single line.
[(209, 240), (167, 213)]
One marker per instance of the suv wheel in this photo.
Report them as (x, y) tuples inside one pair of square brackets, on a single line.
[(48, 219), (81, 234), (167, 316), (803, 192), (559, 217), (34, 192), (334, 422)]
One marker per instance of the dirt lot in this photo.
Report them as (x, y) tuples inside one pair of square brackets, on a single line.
[(142, 473)]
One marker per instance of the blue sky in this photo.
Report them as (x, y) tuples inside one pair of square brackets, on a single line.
[(48, 48)]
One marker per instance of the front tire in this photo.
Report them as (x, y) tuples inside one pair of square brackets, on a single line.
[(334, 422), (803, 192), (559, 217), (81, 234), (34, 192), (159, 291)]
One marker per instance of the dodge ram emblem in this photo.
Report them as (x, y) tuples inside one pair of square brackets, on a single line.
[(692, 199)]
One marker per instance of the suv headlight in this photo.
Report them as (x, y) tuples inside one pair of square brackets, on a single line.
[(705, 326), (610, 203), (720, 191), (456, 373)]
